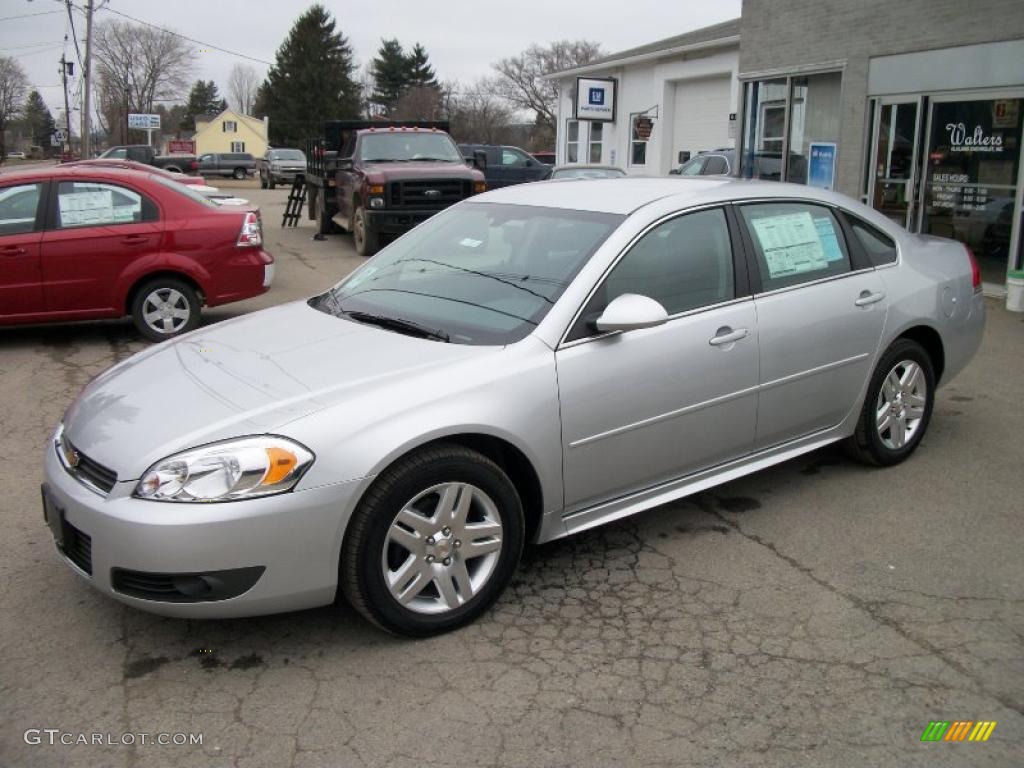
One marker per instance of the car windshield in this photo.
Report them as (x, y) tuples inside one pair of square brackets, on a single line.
[(478, 273), (408, 145), (287, 154), (182, 189), (692, 167), (588, 173)]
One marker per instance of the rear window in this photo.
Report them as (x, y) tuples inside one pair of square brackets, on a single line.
[(183, 190), (879, 247)]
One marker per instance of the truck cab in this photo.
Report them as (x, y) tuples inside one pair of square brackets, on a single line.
[(385, 178)]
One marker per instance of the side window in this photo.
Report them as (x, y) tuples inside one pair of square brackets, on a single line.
[(95, 204), (716, 166), (18, 206), (683, 264), (879, 247), (795, 243), (510, 158), (118, 154), (692, 167)]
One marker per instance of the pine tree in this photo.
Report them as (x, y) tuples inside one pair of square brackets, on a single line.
[(37, 117), (311, 80), (203, 99), (390, 71), (419, 70)]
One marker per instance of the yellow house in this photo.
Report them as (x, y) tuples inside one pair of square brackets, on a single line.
[(231, 131)]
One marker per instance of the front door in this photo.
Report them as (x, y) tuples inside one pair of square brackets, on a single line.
[(972, 176), (647, 406), (893, 169), (21, 288)]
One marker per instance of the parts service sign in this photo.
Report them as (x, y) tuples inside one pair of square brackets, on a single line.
[(595, 99)]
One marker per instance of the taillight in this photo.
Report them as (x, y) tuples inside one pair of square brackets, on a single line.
[(252, 232), (194, 165), (975, 269)]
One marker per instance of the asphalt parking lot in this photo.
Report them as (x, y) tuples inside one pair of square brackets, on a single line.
[(820, 613)]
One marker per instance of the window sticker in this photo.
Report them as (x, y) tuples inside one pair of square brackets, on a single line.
[(85, 208), (829, 241), (790, 243)]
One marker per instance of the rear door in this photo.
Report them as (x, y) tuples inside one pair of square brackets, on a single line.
[(820, 316), (22, 208), (96, 230)]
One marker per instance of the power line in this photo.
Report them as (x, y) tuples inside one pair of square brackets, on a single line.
[(27, 15), (190, 39)]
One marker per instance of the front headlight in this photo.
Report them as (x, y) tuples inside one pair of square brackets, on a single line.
[(243, 468)]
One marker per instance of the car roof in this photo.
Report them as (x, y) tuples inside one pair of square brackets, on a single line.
[(72, 170), (626, 195), (588, 166)]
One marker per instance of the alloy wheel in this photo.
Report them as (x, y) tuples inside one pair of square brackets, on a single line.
[(166, 310), (901, 404), (442, 548)]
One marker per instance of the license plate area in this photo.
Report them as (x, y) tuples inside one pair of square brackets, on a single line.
[(54, 517)]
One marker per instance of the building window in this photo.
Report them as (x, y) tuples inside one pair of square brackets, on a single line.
[(808, 104), (572, 141), (238, 146), (638, 147), (596, 139), (230, 126)]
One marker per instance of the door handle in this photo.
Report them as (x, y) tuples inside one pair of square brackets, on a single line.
[(134, 239), (13, 250), (727, 335), (867, 298)]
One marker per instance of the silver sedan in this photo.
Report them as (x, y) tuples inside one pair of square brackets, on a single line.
[(526, 365)]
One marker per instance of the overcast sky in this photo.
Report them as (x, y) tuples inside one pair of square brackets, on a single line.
[(463, 37)]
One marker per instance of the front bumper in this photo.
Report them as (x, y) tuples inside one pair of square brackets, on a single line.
[(396, 222), (295, 537), (285, 174)]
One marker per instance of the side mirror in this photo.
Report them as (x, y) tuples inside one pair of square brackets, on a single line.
[(480, 159), (629, 312), (345, 164)]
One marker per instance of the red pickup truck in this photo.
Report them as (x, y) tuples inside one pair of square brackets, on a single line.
[(379, 179)]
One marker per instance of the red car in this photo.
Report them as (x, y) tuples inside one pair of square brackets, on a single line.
[(82, 242)]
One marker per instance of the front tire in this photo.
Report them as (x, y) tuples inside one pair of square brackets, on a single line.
[(367, 242), (433, 543), (897, 408), (165, 308), (239, 173)]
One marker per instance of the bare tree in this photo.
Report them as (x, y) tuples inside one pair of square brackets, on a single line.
[(476, 112), (520, 77), (243, 81), (135, 67), (419, 102), (13, 84)]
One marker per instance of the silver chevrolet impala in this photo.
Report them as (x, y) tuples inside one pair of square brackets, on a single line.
[(526, 365)]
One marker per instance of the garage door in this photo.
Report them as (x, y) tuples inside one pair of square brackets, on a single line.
[(701, 118)]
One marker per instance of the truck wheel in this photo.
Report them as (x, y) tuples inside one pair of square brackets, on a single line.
[(367, 242), (239, 173)]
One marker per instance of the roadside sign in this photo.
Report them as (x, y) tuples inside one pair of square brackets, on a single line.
[(642, 127), (181, 147), (595, 99), (145, 122), (57, 138)]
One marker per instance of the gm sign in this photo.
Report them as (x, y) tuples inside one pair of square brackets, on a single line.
[(595, 99)]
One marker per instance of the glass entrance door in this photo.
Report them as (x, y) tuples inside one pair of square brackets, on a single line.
[(972, 172), (893, 165)]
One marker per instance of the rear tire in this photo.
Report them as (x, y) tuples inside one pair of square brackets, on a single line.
[(164, 308), (239, 173), (897, 407), (433, 543), (366, 241)]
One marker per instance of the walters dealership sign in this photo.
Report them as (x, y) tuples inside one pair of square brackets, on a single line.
[(976, 140)]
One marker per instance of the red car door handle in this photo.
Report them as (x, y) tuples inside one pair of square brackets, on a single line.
[(13, 250), (134, 239)]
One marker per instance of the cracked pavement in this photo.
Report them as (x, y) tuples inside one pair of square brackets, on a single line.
[(818, 613)]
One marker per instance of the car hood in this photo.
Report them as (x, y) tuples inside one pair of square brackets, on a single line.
[(249, 375), (414, 170)]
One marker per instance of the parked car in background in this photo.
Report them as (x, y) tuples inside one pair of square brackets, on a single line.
[(145, 154), (132, 165), (84, 242), (17, 155), (586, 172), (507, 165), (280, 166), (717, 162), (524, 367), (235, 165)]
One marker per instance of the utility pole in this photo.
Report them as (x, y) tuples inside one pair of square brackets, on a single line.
[(87, 85), (64, 64)]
